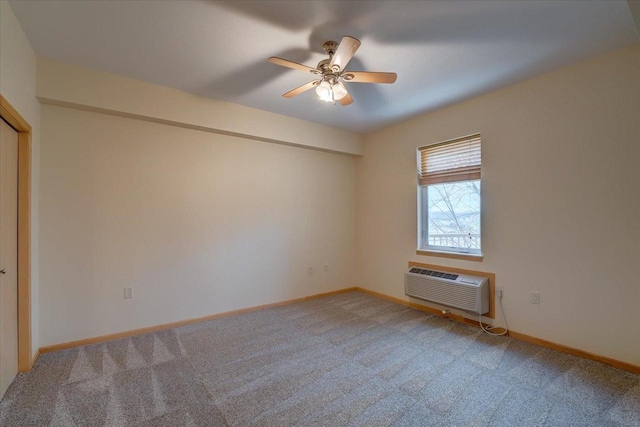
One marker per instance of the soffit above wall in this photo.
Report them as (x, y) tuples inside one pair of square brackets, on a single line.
[(67, 85)]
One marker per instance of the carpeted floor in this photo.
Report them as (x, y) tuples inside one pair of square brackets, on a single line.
[(349, 359)]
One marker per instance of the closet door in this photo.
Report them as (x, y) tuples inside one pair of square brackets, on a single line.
[(8, 255)]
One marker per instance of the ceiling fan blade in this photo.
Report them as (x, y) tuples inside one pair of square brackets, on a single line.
[(291, 64), (346, 100), (367, 77), (346, 49), (300, 89)]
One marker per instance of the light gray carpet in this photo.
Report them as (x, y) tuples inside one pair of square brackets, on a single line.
[(348, 359)]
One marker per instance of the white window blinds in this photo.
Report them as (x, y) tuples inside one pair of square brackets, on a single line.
[(450, 161)]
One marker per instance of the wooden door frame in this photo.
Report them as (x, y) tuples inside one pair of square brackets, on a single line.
[(11, 116)]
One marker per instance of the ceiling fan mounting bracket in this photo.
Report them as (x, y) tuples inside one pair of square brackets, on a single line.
[(330, 47)]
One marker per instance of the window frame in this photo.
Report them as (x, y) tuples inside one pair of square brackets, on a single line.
[(423, 216)]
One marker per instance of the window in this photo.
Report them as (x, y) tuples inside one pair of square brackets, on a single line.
[(449, 196)]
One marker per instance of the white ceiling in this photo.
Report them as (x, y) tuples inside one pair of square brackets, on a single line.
[(443, 51)]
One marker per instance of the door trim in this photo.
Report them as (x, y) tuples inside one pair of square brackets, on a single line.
[(11, 116)]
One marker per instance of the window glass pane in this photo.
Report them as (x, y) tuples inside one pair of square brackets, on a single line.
[(454, 215)]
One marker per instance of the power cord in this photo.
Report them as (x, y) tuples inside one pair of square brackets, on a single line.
[(488, 329)]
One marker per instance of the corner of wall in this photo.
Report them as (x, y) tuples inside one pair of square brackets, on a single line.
[(18, 86)]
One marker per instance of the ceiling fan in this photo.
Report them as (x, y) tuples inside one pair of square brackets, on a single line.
[(331, 74)]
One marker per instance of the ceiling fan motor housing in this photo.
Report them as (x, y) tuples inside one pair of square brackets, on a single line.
[(324, 65)]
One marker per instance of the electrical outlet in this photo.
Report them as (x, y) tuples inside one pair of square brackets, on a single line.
[(326, 268), (310, 269), (499, 292), (535, 297), (128, 293)]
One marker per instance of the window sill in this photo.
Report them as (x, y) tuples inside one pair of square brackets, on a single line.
[(454, 255)]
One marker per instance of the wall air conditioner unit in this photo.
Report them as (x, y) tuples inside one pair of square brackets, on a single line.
[(468, 293)]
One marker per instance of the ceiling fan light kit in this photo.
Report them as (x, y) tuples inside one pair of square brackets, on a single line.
[(331, 92), (332, 74), (325, 91), (339, 91)]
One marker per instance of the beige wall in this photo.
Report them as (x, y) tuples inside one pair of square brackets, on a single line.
[(196, 223), (18, 86), (560, 194), (173, 213)]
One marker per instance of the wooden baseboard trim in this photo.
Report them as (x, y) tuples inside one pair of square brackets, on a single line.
[(576, 352), (635, 369), (517, 335), (156, 328)]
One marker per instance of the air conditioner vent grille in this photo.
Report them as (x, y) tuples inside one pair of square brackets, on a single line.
[(469, 293), (434, 273)]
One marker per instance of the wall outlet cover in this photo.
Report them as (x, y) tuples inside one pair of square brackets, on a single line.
[(535, 297)]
